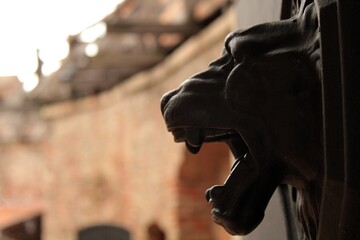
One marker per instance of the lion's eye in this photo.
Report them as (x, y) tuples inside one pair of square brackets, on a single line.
[(235, 62), (235, 58)]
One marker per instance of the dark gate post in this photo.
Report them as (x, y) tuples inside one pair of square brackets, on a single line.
[(340, 38), (332, 121), (349, 31)]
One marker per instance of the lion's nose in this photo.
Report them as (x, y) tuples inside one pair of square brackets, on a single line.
[(214, 192), (166, 98)]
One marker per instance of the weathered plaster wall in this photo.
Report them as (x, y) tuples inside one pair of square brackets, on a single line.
[(109, 158)]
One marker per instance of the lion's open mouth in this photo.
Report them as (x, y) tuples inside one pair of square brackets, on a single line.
[(194, 139), (228, 200)]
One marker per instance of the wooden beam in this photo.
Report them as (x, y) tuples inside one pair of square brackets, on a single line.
[(123, 61), (90, 76), (97, 79), (156, 28)]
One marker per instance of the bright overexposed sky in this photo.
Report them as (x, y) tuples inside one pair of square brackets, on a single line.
[(28, 25)]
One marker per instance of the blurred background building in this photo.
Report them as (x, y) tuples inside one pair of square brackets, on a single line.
[(83, 147)]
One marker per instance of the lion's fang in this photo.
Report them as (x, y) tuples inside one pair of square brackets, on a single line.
[(192, 149)]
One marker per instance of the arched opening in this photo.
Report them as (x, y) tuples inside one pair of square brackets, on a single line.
[(198, 173), (103, 232)]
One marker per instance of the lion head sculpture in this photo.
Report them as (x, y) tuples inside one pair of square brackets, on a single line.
[(262, 97)]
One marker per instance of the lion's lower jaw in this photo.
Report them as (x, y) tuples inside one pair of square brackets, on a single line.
[(237, 226), (240, 203)]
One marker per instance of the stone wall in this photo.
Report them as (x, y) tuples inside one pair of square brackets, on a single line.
[(108, 159)]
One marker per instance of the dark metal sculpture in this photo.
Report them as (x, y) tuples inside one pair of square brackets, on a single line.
[(264, 98)]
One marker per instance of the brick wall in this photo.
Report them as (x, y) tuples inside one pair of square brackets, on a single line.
[(109, 158)]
